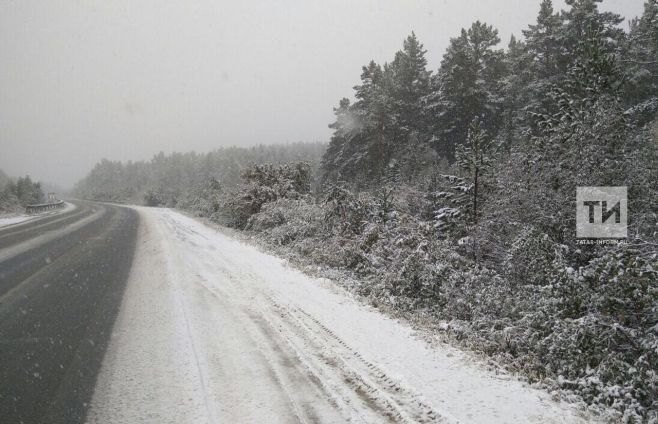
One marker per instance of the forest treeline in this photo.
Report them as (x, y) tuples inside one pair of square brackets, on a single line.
[(450, 195), (17, 193), (168, 180)]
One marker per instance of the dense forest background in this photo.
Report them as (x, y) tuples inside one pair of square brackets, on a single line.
[(168, 180), (449, 195), (15, 194)]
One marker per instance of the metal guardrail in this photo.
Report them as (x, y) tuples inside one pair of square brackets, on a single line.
[(30, 209)]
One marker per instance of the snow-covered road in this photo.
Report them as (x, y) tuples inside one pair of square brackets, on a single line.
[(211, 330)]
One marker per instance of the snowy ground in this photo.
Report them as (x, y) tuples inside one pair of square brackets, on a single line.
[(212, 330), (17, 219)]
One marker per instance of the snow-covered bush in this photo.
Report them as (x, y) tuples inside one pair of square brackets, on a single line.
[(158, 197), (345, 211), (204, 200), (287, 220), (533, 258), (263, 184)]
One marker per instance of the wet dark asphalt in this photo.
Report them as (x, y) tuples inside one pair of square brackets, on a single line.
[(58, 302)]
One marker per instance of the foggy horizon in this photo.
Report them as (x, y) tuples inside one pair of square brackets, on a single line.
[(83, 81)]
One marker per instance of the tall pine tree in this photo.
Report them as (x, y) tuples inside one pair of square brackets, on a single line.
[(469, 85)]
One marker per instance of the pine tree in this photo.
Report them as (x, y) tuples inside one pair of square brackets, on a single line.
[(473, 158), (515, 89), (584, 18), (336, 160), (470, 84), (409, 79), (26, 191), (641, 58), (582, 141), (374, 107), (385, 119), (594, 74), (542, 42), (544, 63)]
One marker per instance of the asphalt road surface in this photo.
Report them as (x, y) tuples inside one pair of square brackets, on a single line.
[(62, 278)]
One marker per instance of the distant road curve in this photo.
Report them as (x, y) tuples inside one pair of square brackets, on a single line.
[(62, 278)]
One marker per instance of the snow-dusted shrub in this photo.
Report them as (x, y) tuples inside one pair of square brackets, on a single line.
[(264, 184), (286, 180), (287, 220), (412, 282), (601, 336), (400, 252), (341, 252), (346, 211), (204, 200), (157, 196), (271, 215), (533, 258)]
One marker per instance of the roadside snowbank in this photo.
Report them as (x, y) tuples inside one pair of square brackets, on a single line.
[(13, 220)]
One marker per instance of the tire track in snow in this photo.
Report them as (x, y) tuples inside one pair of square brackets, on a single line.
[(201, 366), (326, 357), (371, 383), (210, 410), (278, 368), (283, 366)]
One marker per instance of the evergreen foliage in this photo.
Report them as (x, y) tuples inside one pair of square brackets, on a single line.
[(15, 194)]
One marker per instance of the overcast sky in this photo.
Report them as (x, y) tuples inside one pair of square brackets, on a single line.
[(123, 79)]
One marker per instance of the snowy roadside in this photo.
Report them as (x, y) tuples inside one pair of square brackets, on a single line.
[(14, 219), (214, 330), (425, 326), (18, 219)]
